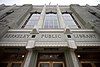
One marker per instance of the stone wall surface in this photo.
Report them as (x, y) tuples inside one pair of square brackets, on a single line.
[(14, 19)]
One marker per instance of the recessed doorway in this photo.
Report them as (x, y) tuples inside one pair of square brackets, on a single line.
[(51, 60), (51, 64)]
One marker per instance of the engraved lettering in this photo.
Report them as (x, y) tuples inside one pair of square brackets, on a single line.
[(59, 36), (85, 36), (27, 36), (16, 36), (50, 36), (46, 36), (42, 36)]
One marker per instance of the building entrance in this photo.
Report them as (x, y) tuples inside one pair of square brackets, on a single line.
[(51, 64), (51, 60)]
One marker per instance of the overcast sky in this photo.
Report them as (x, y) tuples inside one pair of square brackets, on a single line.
[(53, 2)]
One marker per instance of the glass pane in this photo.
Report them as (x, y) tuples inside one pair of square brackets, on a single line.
[(57, 65), (51, 21), (32, 21), (69, 21), (44, 65), (3, 64), (86, 65), (16, 65)]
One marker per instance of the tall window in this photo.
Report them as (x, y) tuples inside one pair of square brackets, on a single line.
[(32, 21), (51, 21), (69, 21)]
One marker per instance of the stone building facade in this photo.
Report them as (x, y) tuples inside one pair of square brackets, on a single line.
[(49, 35)]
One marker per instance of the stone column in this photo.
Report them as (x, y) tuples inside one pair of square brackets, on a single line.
[(31, 59), (71, 60), (41, 20), (28, 58), (60, 18), (74, 59)]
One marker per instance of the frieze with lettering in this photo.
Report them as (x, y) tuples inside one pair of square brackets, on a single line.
[(50, 36), (16, 36), (85, 36)]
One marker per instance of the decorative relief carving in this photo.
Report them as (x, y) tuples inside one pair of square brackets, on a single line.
[(3, 24)]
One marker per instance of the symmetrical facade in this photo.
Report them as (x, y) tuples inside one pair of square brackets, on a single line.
[(49, 36)]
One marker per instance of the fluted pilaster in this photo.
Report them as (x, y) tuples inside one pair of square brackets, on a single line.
[(41, 20)]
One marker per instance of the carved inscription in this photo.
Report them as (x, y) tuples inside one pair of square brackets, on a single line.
[(50, 36), (84, 36), (16, 36)]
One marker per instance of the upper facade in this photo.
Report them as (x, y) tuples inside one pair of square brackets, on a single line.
[(50, 23), (49, 17)]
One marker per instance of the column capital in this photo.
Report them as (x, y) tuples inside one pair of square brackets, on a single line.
[(72, 44)]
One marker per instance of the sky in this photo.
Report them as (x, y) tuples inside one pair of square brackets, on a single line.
[(53, 2)]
